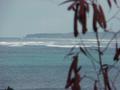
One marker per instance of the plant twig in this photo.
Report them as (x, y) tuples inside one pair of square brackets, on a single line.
[(110, 41)]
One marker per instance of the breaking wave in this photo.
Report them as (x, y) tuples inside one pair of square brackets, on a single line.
[(60, 43)]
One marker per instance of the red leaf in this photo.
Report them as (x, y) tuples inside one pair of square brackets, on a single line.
[(74, 64), (94, 24), (95, 85), (75, 22), (76, 82), (84, 8), (117, 54), (73, 68), (106, 78), (72, 6), (101, 18), (98, 16), (83, 51), (69, 83), (84, 26), (115, 1), (95, 15), (87, 6), (67, 1), (109, 3)]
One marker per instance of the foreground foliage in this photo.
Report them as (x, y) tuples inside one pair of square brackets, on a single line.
[(102, 81)]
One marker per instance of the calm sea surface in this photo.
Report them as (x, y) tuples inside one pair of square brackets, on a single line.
[(40, 64)]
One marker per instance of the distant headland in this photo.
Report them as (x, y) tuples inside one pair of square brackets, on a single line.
[(88, 35)]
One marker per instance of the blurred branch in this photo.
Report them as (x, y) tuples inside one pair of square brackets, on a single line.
[(111, 18), (110, 41)]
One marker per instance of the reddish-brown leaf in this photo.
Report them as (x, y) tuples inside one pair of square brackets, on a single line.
[(98, 16), (94, 23), (73, 81), (76, 82), (116, 45), (117, 54), (116, 57), (84, 25), (95, 85), (69, 83), (78, 69), (72, 6), (95, 15), (67, 1), (109, 3), (83, 51), (75, 22), (87, 6), (115, 1), (73, 68), (101, 19), (84, 8), (106, 78)]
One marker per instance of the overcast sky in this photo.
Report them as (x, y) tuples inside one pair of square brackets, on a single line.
[(21, 17)]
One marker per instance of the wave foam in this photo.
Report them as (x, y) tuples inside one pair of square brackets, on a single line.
[(55, 43), (21, 43)]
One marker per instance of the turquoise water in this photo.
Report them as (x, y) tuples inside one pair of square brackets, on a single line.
[(41, 66)]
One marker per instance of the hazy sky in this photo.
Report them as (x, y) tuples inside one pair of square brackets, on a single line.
[(20, 17)]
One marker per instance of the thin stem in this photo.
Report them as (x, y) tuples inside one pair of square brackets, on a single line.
[(100, 55), (91, 57), (118, 11), (110, 41), (99, 49)]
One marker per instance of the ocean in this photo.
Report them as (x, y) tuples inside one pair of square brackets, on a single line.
[(41, 64)]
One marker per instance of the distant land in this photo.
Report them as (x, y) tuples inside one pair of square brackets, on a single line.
[(88, 35), (49, 35), (10, 38)]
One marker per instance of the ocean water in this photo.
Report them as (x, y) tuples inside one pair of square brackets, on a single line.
[(40, 64)]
